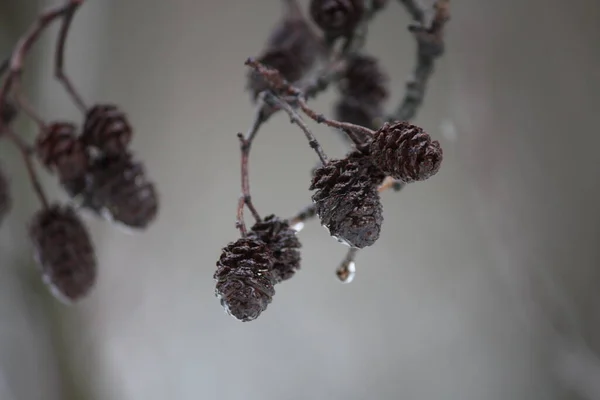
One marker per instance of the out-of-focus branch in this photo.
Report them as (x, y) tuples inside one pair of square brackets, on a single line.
[(430, 46)]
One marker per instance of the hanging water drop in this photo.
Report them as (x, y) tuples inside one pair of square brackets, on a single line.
[(346, 272), (347, 269), (298, 226)]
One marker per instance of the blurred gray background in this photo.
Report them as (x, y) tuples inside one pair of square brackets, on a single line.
[(484, 284)]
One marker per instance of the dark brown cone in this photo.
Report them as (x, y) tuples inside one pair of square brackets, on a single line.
[(347, 201), (5, 197), (118, 187), (8, 112), (284, 244), (61, 151), (107, 128), (364, 80), (292, 49), (64, 251), (244, 283), (337, 17), (406, 152)]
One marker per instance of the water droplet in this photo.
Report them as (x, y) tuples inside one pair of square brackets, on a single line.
[(298, 226), (346, 272)]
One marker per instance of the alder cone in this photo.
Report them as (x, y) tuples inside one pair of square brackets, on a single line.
[(244, 284), (61, 151), (107, 128), (118, 186), (296, 36), (5, 196), (64, 251), (405, 152), (292, 49), (283, 243), (337, 17), (364, 80), (347, 201)]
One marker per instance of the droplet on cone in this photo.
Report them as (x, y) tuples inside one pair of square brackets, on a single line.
[(346, 272)]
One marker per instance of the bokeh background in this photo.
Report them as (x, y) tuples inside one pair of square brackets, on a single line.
[(484, 284)]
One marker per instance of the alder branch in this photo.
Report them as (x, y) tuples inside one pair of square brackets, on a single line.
[(22, 49), (245, 145), (27, 154), (59, 57), (430, 46)]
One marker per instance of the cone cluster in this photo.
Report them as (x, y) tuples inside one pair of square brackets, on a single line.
[(98, 167), (347, 198), (249, 268)]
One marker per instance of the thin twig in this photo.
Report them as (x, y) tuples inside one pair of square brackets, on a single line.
[(430, 46), (24, 45), (304, 215), (24, 104), (333, 72), (359, 37), (344, 126), (415, 10), (59, 58), (26, 154), (347, 268), (295, 118), (282, 88), (260, 117)]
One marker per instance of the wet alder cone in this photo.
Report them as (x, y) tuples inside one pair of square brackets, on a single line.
[(5, 197), (61, 151), (292, 49), (244, 283), (406, 152), (118, 187), (284, 244), (64, 251), (347, 200), (364, 80), (337, 17), (107, 128)]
